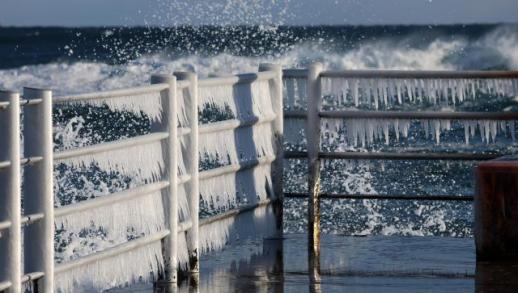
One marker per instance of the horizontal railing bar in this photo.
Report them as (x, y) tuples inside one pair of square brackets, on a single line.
[(112, 94), (111, 252), (295, 73), (234, 212), (23, 161), (5, 164), (234, 168), (295, 114), (234, 124), (407, 74), (394, 156), (110, 146), (108, 199), (184, 179), (183, 131), (184, 226), (385, 197), (4, 105), (29, 102), (419, 115), (236, 79), (5, 225), (181, 84), (32, 277), (32, 218), (5, 285)]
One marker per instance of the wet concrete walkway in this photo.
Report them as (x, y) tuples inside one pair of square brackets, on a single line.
[(352, 264)]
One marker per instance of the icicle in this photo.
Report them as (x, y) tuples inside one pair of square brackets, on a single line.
[(183, 204), (289, 92), (261, 98), (149, 104), (143, 161), (220, 144), (135, 266), (214, 236), (220, 96), (145, 214), (219, 192)]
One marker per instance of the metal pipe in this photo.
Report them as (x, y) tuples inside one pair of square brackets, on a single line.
[(31, 219), (234, 168), (4, 225), (234, 212), (110, 146), (236, 79), (232, 124), (291, 114), (396, 156), (419, 115), (277, 170), (5, 285), (121, 196), (39, 189), (135, 91), (10, 192), (295, 73), (313, 137), (192, 165), (170, 124), (385, 197), (407, 74), (23, 161), (32, 277), (111, 252)]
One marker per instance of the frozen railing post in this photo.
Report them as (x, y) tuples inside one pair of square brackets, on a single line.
[(169, 124), (313, 137), (278, 169), (10, 193), (496, 206), (191, 163), (38, 187)]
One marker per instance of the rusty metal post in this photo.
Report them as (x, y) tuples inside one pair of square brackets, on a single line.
[(313, 138), (496, 210)]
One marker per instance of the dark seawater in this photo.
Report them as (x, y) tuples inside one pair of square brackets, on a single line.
[(476, 46)]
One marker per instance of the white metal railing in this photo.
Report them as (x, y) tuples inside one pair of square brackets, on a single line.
[(39, 161), (314, 75), (40, 214)]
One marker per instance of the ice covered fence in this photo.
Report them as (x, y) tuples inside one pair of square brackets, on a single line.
[(209, 169)]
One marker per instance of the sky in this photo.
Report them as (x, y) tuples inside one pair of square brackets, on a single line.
[(222, 12)]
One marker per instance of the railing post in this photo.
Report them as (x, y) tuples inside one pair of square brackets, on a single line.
[(496, 204), (192, 165), (278, 124), (10, 192), (169, 123), (38, 186), (313, 139)]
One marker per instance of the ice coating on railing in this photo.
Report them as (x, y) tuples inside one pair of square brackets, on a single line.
[(244, 100), (221, 96), (137, 265), (231, 146), (362, 132), (380, 92), (144, 214), (219, 192), (255, 184), (150, 104), (143, 161), (295, 93)]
